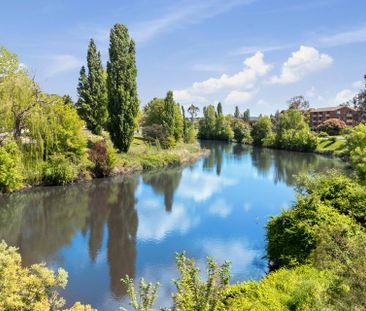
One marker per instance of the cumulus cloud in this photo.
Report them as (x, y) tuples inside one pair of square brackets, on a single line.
[(346, 94), (220, 208), (235, 88), (301, 63)]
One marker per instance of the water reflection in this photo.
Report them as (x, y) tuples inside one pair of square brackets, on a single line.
[(102, 230)]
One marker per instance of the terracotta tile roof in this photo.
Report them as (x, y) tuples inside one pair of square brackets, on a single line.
[(329, 109)]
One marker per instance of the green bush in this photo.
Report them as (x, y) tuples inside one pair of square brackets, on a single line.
[(59, 170), (338, 191), (291, 236), (262, 132), (356, 146), (301, 288), (241, 132), (191, 135), (11, 169), (323, 134)]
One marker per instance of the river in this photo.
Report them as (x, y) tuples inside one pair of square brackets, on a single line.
[(99, 231)]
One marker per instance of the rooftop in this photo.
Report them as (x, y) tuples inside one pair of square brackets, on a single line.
[(330, 109)]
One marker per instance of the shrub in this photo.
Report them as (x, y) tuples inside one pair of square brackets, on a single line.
[(59, 170), (11, 169), (292, 235), (356, 146), (30, 288), (332, 126), (301, 288), (338, 191), (191, 135), (103, 157)]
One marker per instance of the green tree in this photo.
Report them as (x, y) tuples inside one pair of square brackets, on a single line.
[(92, 91), (356, 146), (207, 123), (298, 103), (241, 132), (193, 110), (262, 131), (184, 124), (246, 115), (123, 103), (359, 102), (237, 112)]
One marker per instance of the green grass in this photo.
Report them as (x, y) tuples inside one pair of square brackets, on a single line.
[(330, 146), (143, 156)]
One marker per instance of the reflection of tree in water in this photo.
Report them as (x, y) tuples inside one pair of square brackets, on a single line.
[(240, 150), (165, 183), (42, 221), (262, 160), (215, 158), (122, 229), (287, 165)]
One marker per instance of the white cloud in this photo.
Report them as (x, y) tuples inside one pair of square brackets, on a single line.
[(245, 50), (344, 38), (302, 62), (344, 96), (253, 67), (61, 63), (184, 96), (237, 97)]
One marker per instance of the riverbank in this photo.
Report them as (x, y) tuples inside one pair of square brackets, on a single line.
[(144, 157)]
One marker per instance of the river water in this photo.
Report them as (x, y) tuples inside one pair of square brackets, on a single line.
[(100, 231)]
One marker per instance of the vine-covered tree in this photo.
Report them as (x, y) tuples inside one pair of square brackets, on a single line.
[(92, 91), (123, 102)]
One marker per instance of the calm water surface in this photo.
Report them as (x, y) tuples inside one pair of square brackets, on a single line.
[(102, 230)]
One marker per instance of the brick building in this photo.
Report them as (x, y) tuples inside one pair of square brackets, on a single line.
[(347, 114)]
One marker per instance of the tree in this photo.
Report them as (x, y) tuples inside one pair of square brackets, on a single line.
[(9, 63), (193, 110), (237, 112), (359, 102), (162, 120), (184, 124), (92, 91), (356, 146), (298, 103), (241, 132), (123, 103), (246, 115), (332, 126), (262, 131), (19, 96)]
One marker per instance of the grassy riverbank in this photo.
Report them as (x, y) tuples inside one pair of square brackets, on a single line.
[(332, 145), (143, 156)]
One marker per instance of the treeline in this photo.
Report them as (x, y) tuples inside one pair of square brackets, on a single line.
[(48, 139)]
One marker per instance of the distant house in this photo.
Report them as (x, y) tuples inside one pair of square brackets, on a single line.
[(347, 114)]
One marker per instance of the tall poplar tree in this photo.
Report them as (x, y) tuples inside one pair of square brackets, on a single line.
[(92, 91), (123, 103), (237, 112)]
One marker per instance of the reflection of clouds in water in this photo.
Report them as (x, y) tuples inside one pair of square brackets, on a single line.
[(199, 186), (244, 258), (155, 223), (247, 206), (220, 208)]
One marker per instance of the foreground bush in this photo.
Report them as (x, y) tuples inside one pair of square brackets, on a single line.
[(292, 236), (11, 169), (30, 288), (301, 288)]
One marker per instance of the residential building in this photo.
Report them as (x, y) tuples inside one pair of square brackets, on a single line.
[(349, 115)]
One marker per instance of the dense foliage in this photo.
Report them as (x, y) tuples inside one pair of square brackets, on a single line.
[(262, 134), (123, 102), (92, 91), (214, 125), (356, 145), (163, 121), (332, 126)]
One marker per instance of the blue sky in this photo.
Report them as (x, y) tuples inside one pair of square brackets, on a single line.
[(252, 53)]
